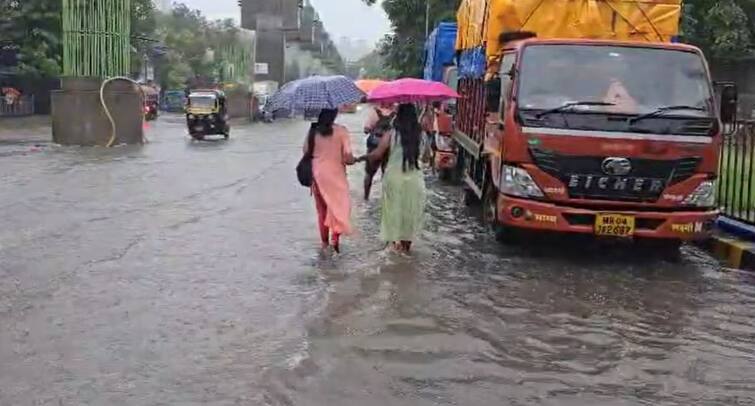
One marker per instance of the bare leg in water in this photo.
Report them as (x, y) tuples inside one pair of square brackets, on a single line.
[(371, 169), (406, 246), (337, 243)]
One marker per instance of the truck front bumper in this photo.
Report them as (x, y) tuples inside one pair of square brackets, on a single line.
[(529, 214)]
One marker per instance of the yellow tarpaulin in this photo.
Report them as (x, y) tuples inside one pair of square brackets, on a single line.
[(482, 21)]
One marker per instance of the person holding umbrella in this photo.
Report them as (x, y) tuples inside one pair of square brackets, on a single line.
[(330, 189), (326, 150), (403, 181), (404, 192)]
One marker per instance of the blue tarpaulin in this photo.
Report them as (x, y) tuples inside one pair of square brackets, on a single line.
[(472, 63), (440, 49)]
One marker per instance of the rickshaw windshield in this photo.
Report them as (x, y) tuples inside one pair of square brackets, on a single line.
[(202, 101)]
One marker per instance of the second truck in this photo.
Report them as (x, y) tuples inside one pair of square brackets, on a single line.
[(586, 117)]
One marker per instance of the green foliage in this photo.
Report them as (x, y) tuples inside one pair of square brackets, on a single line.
[(143, 24), (36, 27), (403, 48), (33, 26), (723, 29), (196, 48), (374, 67)]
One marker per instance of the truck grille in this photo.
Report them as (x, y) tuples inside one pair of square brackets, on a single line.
[(584, 177)]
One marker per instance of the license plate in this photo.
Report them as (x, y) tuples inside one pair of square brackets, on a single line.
[(614, 225), (198, 128)]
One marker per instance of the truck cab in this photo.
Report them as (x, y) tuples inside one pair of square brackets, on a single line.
[(611, 138)]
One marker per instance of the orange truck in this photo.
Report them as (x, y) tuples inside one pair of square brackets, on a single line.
[(586, 117)]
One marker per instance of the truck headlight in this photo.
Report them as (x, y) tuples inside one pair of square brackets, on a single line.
[(517, 182), (703, 196)]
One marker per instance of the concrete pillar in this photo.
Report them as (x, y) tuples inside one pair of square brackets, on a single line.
[(78, 117)]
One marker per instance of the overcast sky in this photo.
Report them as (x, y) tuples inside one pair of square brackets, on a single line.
[(349, 18)]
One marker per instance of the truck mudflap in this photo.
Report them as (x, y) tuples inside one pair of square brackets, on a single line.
[(678, 225)]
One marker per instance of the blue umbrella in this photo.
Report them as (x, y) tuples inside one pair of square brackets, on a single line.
[(316, 93)]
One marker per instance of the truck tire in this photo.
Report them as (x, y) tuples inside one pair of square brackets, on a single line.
[(445, 175), (469, 197), (502, 233)]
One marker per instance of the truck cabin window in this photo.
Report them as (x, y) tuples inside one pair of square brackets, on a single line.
[(658, 90), (506, 72)]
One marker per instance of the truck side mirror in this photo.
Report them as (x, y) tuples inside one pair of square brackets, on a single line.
[(728, 107), (493, 95)]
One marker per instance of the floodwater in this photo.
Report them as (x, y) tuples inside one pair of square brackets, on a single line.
[(188, 273)]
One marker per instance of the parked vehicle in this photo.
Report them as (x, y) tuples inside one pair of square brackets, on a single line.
[(615, 137), (174, 101), (207, 114), (440, 53)]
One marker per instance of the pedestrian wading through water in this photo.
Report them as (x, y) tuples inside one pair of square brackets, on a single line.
[(328, 148)]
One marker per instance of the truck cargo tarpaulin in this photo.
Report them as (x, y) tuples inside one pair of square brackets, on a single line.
[(439, 51), (482, 21)]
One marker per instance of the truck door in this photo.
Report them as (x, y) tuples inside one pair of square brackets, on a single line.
[(495, 126)]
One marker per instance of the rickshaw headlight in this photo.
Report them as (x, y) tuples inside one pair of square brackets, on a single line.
[(191, 117)]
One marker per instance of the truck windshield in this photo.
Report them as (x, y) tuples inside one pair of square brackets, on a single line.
[(626, 80)]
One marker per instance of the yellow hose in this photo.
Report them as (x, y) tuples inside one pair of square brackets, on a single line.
[(113, 136)]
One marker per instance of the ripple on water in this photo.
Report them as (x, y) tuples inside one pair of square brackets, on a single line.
[(467, 321)]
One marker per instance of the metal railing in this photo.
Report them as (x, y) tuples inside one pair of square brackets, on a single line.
[(736, 186), (23, 106)]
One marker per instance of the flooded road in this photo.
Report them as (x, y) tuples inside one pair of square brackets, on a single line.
[(185, 273)]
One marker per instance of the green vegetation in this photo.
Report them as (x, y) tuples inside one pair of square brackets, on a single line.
[(737, 185), (374, 67), (723, 29), (35, 26), (186, 46), (402, 49)]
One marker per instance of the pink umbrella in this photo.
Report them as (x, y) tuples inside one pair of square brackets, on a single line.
[(410, 91)]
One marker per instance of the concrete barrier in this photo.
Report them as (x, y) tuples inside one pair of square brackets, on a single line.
[(78, 117), (733, 243)]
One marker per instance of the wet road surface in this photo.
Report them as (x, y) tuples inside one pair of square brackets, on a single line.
[(186, 273)]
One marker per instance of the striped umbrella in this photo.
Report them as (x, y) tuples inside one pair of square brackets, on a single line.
[(316, 93)]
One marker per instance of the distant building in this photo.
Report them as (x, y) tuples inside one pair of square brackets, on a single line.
[(291, 40)]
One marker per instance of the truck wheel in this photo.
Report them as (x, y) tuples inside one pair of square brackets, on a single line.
[(445, 174), (469, 197), (490, 217)]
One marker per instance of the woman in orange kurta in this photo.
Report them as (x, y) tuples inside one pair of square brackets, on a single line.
[(332, 152)]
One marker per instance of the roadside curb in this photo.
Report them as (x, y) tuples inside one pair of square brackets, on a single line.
[(734, 243)]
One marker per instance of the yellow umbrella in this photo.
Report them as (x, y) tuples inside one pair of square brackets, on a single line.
[(367, 85)]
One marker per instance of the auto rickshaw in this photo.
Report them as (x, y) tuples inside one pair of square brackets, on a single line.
[(207, 114)]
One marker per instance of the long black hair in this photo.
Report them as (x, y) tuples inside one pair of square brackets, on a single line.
[(409, 131), (324, 123)]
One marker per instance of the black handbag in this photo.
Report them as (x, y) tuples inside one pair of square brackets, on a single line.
[(304, 168)]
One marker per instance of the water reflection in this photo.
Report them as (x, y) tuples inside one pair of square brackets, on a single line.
[(467, 321)]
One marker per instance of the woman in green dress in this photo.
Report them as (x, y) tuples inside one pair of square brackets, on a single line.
[(403, 200)]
